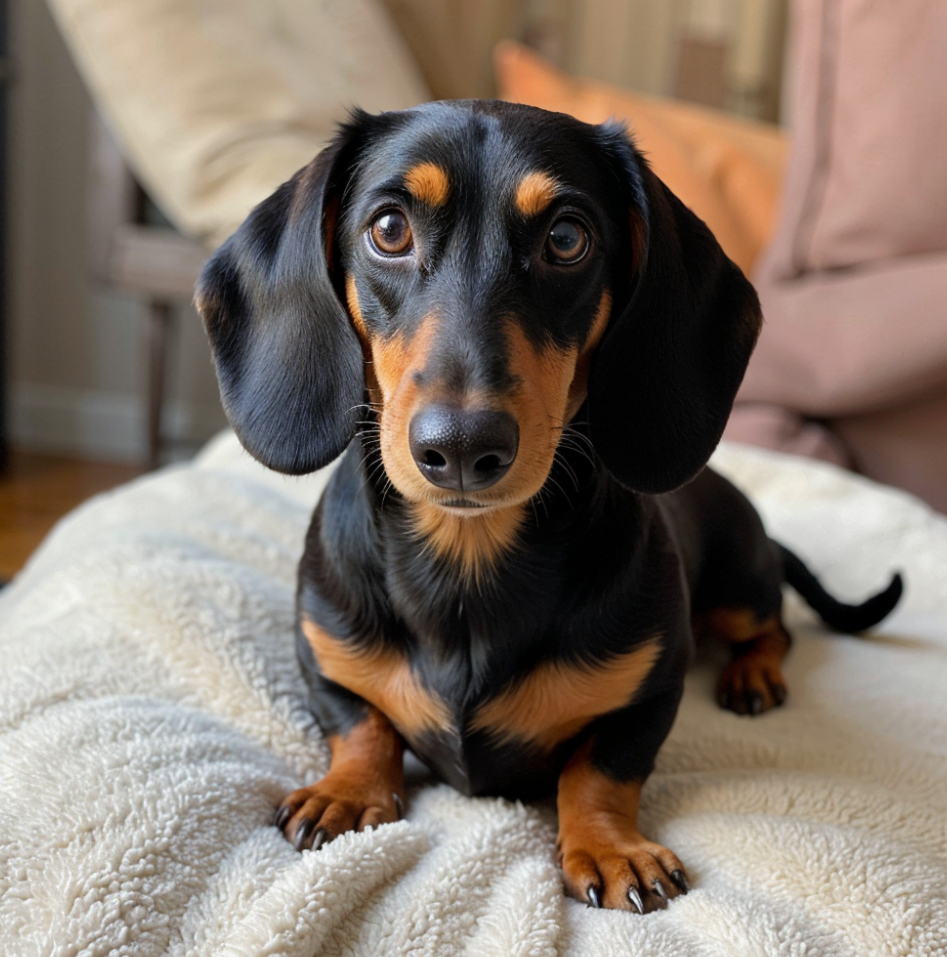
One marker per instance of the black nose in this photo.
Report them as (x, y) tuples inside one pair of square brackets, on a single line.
[(467, 451)]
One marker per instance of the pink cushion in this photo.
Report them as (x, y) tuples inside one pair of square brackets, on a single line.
[(854, 283), (867, 175)]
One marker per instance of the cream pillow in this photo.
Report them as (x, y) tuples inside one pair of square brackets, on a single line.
[(217, 102)]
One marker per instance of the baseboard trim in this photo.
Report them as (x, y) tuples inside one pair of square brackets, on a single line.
[(103, 425)]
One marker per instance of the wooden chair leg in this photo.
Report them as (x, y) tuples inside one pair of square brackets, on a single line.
[(159, 321)]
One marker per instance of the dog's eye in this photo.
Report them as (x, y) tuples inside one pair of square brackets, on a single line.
[(567, 242), (391, 234)]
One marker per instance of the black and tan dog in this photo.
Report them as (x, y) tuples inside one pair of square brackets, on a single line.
[(524, 340)]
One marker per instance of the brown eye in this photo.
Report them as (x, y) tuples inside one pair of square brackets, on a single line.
[(567, 242), (391, 234)]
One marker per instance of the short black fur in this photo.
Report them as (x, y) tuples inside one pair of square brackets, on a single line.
[(306, 319)]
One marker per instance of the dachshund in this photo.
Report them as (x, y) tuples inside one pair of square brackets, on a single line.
[(527, 348)]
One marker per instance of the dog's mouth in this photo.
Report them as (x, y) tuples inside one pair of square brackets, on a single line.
[(463, 507), (462, 503)]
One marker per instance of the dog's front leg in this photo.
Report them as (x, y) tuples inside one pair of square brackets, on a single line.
[(364, 786), (605, 859)]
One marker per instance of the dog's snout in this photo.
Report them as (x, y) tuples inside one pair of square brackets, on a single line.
[(463, 450)]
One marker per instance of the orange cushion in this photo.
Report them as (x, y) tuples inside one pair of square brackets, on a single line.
[(727, 170)]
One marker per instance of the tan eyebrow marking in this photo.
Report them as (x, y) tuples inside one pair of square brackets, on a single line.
[(535, 192), (428, 183)]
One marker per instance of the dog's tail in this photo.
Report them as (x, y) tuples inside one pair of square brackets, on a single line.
[(848, 619)]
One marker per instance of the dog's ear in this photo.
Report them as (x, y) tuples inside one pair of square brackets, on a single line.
[(665, 375), (288, 360)]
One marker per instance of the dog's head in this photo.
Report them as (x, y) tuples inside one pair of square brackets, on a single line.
[(481, 271)]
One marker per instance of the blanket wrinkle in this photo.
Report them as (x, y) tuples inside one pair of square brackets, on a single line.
[(152, 715)]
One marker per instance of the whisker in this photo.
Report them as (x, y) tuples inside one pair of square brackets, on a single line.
[(577, 450), (542, 501), (371, 462), (561, 489), (532, 505), (374, 470), (578, 442), (571, 429), (567, 468), (370, 473)]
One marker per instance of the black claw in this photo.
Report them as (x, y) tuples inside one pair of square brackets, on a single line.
[(658, 889), (319, 838), (779, 694), (282, 816), (635, 898), (755, 701), (593, 897), (681, 881), (303, 832), (399, 805)]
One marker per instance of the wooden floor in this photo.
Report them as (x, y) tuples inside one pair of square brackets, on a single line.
[(36, 490)]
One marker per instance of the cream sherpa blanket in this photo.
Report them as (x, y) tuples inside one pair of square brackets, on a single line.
[(152, 715)]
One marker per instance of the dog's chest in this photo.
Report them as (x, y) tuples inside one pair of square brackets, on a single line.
[(501, 715), (489, 682)]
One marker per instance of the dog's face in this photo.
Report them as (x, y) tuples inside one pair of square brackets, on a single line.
[(475, 258), (479, 270)]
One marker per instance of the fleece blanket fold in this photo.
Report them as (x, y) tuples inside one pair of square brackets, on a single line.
[(152, 715)]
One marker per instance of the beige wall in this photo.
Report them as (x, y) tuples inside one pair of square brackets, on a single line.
[(637, 43), (77, 355)]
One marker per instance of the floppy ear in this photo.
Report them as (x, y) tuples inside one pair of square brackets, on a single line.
[(665, 375), (288, 361)]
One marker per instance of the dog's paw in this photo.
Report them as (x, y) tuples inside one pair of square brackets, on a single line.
[(314, 815), (631, 874), (751, 685)]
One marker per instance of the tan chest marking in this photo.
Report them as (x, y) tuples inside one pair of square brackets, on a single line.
[(556, 700), (473, 543), (428, 183), (381, 676)]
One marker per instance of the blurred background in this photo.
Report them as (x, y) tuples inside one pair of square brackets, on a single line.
[(136, 134), (106, 371), (76, 325)]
